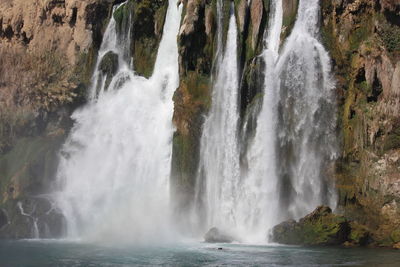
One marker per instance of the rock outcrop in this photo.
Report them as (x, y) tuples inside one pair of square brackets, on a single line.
[(52, 43), (363, 39), (145, 21), (322, 228), (197, 47), (47, 52)]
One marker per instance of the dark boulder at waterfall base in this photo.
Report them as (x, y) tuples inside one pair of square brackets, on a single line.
[(321, 227), (214, 235)]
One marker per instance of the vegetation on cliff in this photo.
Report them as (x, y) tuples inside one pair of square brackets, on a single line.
[(47, 53), (322, 228), (362, 37), (145, 19)]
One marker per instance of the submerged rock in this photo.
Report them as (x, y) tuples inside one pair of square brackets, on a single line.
[(321, 227), (214, 235)]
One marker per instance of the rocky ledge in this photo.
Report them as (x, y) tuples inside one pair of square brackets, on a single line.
[(322, 227)]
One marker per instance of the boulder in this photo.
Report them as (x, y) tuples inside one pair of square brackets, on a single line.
[(214, 235), (109, 63), (321, 227), (109, 66)]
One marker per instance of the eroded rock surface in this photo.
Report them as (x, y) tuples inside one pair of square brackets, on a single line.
[(363, 39), (47, 52)]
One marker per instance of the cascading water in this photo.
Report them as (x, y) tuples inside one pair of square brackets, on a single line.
[(294, 142), (35, 228), (295, 136), (259, 204), (219, 156), (110, 44), (306, 144), (115, 165)]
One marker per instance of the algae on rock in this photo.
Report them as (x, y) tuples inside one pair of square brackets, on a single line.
[(145, 21), (365, 56)]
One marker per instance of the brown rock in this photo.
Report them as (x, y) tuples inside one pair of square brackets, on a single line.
[(242, 14), (391, 5), (44, 40), (209, 22), (190, 19), (256, 13)]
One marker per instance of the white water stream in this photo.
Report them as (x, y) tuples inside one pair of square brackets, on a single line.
[(219, 156), (307, 144), (115, 165), (294, 142)]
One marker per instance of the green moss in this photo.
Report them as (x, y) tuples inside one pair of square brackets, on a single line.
[(225, 22), (392, 142), (395, 236), (183, 155), (109, 66), (199, 89), (122, 14), (159, 17), (29, 163), (364, 30), (359, 234), (146, 20), (321, 227)]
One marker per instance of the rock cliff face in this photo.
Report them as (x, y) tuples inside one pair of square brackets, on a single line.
[(47, 50), (363, 38), (46, 56), (145, 20)]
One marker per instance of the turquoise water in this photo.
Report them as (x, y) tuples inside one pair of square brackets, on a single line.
[(57, 253)]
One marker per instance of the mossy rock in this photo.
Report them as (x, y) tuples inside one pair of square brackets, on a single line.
[(30, 166), (109, 66), (360, 235), (26, 171), (395, 236), (321, 227), (392, 141), (109, 63), (145, 19), (49, 222), (121, 17)]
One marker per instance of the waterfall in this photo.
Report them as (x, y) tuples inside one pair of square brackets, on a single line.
[(219, 170), (306, 144), (259, 205), (35, 228), (115, 165), (295, 136), (118, 44), (294, 143)]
